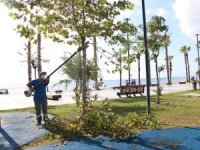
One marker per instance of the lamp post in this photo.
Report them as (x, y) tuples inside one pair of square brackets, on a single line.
[(147, 59)]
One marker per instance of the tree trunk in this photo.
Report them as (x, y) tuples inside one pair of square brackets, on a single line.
[(39, 64), (149, 70), (29, 61), (84, 75), (95, 62), (139, 69), (186, 70), (188, 66), (170, 74), (167, 65), (120, 72), (158, 83)]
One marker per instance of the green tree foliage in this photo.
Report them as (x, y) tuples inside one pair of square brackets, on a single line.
[(73, 70), (74, 21), (157, 30), (124, 38)]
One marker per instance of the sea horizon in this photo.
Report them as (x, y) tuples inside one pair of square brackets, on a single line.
[(19, 88)]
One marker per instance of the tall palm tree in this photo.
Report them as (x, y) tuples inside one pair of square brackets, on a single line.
[(95, 62), (139, 50), (166, 42), (157, 30), (185, 49), (29, 61), (170, 67), (39, 64)]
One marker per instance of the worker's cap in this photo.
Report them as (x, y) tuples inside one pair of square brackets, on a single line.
[(42, 73)]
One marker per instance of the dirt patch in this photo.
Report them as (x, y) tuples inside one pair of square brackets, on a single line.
[(192, 94)]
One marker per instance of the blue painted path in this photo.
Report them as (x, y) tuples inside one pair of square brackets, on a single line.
[(168, 139), (20, 128)]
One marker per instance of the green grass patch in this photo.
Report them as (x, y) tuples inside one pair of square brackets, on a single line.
[(175, 109)]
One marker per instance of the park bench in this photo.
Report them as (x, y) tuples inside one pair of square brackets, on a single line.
[(58, 91), (3, 91), (153, 85), (130, 90), (182, 82), (54, 96)]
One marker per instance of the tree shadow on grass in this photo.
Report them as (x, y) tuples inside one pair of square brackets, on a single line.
[(123, 110), (131, 99)]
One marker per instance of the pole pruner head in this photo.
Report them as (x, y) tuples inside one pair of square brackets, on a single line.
[(28, 93), (83, 47)]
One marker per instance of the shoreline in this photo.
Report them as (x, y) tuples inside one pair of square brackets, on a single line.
[(18, 100)]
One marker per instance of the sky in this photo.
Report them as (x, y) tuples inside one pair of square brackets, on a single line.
[(182, 17)]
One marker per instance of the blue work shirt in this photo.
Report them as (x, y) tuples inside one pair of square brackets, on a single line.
[(40, 92)]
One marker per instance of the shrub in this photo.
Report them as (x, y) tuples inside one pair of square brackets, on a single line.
[(102, 122)]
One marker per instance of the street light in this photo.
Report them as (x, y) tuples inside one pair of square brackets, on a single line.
[(147, 59)]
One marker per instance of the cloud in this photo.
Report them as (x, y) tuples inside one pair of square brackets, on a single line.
[(159, 12), (187, 12)]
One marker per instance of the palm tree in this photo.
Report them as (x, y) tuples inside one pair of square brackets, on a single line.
[(73, 69), (157, 31), (95, 62), (166, 42), (29, 61), (185, 49), (39, 64), (170, 68), (139, 50), (160, 69)]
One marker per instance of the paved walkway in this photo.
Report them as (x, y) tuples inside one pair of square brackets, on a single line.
[(19, 129), (16, 101)]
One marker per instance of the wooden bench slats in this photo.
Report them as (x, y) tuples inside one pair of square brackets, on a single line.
[(128, 90), (54, 97)]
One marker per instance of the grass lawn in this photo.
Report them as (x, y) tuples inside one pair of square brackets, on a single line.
[(174, 110)]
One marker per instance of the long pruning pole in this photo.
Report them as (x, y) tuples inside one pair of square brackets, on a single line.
[(78, 50)]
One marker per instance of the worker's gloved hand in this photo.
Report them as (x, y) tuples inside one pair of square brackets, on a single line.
[(31, 89), (47, 79)]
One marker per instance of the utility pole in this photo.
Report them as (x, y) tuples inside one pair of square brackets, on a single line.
[(147, 59), (128, 48), (198, 59)]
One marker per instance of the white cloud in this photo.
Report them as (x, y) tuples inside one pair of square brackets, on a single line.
[(159, 12), (187, 12)]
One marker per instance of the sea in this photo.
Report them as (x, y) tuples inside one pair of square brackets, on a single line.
[(19, 88)]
